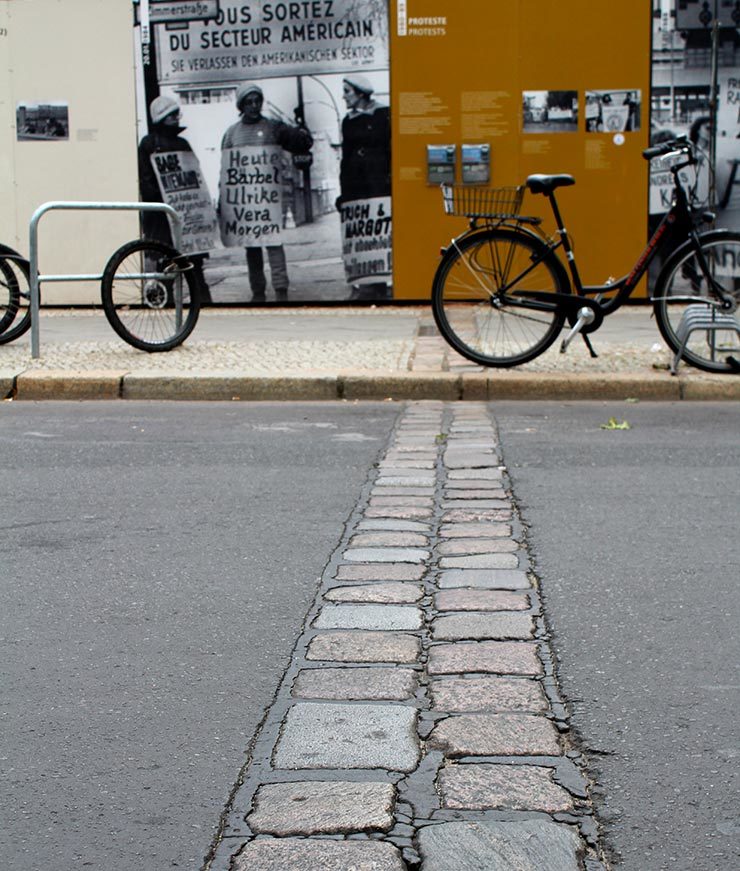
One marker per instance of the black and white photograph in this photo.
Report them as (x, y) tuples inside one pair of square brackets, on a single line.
[(45, 121), (273, 125), (613, 111), (549, 111), (685, 43)]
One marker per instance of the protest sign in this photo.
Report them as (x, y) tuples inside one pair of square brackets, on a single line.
[(250, 196), (366, 239), (183, 188)]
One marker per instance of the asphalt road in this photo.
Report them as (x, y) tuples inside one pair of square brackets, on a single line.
[(635, 535), (157, 563)]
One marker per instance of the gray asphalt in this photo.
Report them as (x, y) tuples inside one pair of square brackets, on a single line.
[(157, 564), (635, 536)]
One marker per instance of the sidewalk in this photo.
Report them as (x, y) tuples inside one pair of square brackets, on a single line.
[(338, 353)]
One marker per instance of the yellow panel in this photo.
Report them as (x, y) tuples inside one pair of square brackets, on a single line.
[(466, 85)]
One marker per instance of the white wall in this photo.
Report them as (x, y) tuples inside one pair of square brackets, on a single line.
[(79, 52)]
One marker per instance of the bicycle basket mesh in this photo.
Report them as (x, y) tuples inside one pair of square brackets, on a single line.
[(472, 202)]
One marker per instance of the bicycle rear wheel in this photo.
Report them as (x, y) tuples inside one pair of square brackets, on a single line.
[(15, 298), (151, 295), (686, 309), (490, 297)]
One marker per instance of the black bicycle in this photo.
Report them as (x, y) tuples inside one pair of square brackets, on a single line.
[(501, 295), (151, 295)]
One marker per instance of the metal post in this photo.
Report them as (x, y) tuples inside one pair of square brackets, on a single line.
[(33, 249)]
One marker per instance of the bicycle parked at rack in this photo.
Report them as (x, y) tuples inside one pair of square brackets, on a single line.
[(151, 295), (501, 295)]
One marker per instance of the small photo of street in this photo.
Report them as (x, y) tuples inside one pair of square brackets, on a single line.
[(42, 121), (549, 111)]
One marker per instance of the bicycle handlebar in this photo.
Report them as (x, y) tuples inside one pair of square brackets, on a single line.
[(680, 145)]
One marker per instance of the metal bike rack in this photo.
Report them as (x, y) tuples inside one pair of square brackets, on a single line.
[(36, 279)]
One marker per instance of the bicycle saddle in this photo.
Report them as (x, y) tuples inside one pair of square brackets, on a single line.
[(546, 184)]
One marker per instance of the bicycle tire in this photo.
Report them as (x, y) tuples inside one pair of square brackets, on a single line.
[(150, 300), (15, 286), (484, 324), (686, 319)]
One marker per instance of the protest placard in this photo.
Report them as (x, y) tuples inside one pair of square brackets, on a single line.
[(366, 239), (250, 196)]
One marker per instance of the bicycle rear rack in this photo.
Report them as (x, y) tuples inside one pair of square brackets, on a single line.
[(36, 279)]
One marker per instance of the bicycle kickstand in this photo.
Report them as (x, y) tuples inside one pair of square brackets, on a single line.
[(585, 317)]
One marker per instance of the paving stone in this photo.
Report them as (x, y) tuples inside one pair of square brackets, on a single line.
[(489, 693), (391, 592), (392, 465), (451, 491), (468, 546), (477, 625), (349, 646), (389, 539), (386, 555), (509, 734), (369, 684), (481, 561), (386, 572), (475, 530), (464, 515), (408, 478), (528, 845), (501, 579), (368, 617), (475, 475), (482, 786), (403, 501), (319, 807), (394, 525), (450, 503), (492, 657), (328, 735), (303, 854), (480, 600), (400, 512), (457, 459), (487, 487)]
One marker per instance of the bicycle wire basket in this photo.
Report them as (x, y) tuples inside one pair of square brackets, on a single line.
[(473, 202)]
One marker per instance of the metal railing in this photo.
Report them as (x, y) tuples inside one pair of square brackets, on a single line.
[(36, 279)]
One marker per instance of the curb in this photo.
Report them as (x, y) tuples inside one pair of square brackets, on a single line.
[(40, 385)]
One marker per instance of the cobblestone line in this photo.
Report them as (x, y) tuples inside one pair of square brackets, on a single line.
[(419, 725)]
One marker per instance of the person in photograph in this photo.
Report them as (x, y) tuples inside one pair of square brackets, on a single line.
[(253, 128), (365, 169), (633, 113), (164, 136)]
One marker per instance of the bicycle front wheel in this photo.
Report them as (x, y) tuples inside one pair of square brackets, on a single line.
[(686, 303), (151, 295), (15, 298), (490, 297)]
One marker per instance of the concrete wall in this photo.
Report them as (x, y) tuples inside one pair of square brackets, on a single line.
[(78, 52)]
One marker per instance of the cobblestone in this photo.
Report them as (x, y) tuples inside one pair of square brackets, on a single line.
[(386, 554), (369, 684), (470, 546), (299, 854), (480, 600), (480, 561), (318, 807), (481, 579), (529, 845), (327, 735), (489, 693), (475, 530), (493, 657), (389, 539), (351, 646), (368, 617), (510, 734), (472, 625), (397, 593), (482, 786), (380, 572)]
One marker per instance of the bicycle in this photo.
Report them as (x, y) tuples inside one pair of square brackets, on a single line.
[(501, 295), (151, 295)]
